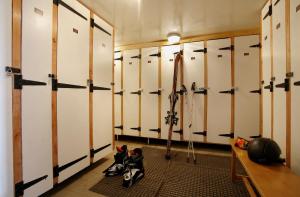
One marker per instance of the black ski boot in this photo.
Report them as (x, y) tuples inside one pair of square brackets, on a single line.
[(117, 168), (134, 168)]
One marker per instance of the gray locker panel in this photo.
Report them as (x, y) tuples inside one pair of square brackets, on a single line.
[(219, 79), (149, 107), (131, 84), (279, 72), (167, 71), (246, 79), (36, 100), (193, 72), (295, 63), (102, 100), (72, 104), (266, 71), (118, 98)]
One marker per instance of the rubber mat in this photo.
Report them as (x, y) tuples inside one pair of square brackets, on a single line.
[(210, 176)]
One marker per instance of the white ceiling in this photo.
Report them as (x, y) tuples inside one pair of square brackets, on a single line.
[(139, 21)]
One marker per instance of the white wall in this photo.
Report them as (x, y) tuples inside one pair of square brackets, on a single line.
[(6, 171)]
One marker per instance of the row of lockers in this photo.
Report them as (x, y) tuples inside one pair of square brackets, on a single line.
[(62, 89), (280, 77), (227, 69)]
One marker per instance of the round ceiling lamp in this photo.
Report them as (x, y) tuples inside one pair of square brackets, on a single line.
[(173, 38)]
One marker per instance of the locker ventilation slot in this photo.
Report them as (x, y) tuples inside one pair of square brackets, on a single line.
[(136, 128), (255, 136), (93, 152), (19, 82), (227, 92), (56, 85), (119, 93), (285, 85), (57, 169), (136, 57), (255, 46), (269, 13), (21, 186), (155, 130), (178, 131), (119, 127), (231, 48), (204, 133), (137, 92), (230, 135), (156, 55), (156, 92), (92, 88), (297, 83), (256, 91), (60, 2), (201, 50), (120, 59), (93, 24)]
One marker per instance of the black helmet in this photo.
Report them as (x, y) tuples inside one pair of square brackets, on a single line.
[(264, 150)]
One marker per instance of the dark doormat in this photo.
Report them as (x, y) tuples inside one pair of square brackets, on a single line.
[(209, 177)]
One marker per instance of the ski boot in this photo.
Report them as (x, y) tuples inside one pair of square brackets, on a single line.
[(117, 168), (134, 168)]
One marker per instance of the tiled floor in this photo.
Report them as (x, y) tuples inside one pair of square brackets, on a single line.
[(79, 186)]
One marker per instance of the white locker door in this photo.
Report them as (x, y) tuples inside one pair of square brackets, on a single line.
[(131, 89), (295, 85), (149, 107), (36, 100), (246, 63), (167, 71), (118, 91), (193, 71), (266, 70), (72, 103), (219, 79), (102, 99), (279, 72)]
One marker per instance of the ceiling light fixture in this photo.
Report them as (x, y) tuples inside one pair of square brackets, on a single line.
[(173, 38)]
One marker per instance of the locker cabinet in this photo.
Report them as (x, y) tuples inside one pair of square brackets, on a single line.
[(118, 96)]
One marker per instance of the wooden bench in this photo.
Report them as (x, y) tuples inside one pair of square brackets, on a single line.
[(269, 180)]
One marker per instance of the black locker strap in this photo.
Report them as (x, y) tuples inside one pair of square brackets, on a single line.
[(180, 131), (158, 92), (137, 56), (56, 85), (297, 83), (156, 55), (19, 82), (21, 186), (117, 51), (269, 13), (285, 85), (158, 130), (137, 92), (204, 133), (93, 24), (201, 50), (255, 46), (94, 151), (230, 135), (60, 2), (119, 59), (119, 93), (231, 91), (200, 92), (119, 127), (231, 48), (58, 169), (256, 91), (136, 128), (255, 136)]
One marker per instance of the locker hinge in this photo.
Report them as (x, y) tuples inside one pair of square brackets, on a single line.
[(201, 50), (58, 169), (231, 91), (255, 46), (270, 87), (92, 87), (201, 91), (181, 52), (117, 51), (21, 186), (119, 59), (136, 128), (119, 93), (56, 85), (255, 136), (230, 135), (155, 130), (297, 83), (158, 92), (139, 92), (204, 133), (285, 85), (276, 2), (119, 127), (269, 13), (19, 82), (231, 48), (94, 151), (156, 55), (60, 2), (137, 56), (180, 131), (182, 90), (256, 91), (93, 24)]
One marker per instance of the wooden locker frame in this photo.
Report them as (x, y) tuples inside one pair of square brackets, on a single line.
[(91, 78), (232, 115), (206, 95)]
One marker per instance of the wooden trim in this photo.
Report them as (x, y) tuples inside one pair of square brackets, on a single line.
[(272, 75), (91, 77), (245, 32), (122, 97), (288, 94), (260, 79), (140, 96), (232, 127), (248, 186), (113, 89), (205, 96), (54, 93), (159, 97)]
